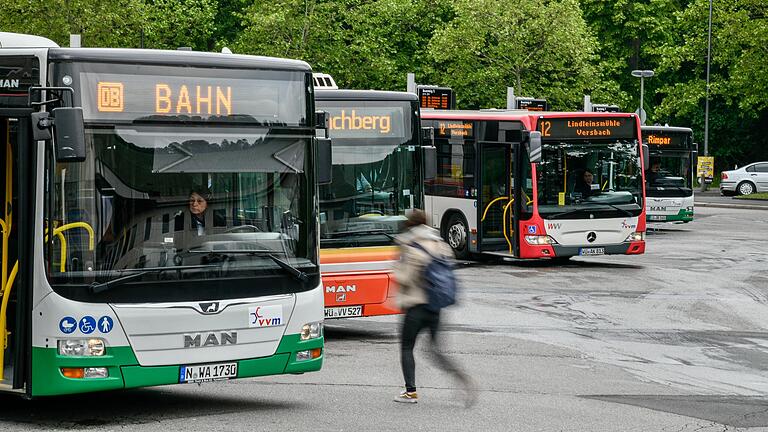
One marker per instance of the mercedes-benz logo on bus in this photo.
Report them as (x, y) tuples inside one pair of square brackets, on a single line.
[(591, 236), (209, 308)]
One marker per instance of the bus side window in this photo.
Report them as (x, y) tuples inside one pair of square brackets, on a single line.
[(166, 223), (148, 228), (178, 221)]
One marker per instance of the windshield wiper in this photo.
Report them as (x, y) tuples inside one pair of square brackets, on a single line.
[(626, 212), (360, 233), (96, 288), (269, 253), (579, 210)]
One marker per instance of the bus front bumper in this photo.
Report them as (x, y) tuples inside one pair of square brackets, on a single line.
[(626, 248)]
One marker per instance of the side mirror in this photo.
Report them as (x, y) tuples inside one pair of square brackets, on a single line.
[(324, 161), (69, 134), (427, 136), (429, 156), (646, 156), (534, 146)]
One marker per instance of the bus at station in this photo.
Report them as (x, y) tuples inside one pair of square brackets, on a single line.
[(670, 173), (377, 177), (159, 221), (537, 184)]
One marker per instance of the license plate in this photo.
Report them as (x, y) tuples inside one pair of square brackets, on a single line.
[(592, 251), (207, 372), (658, 218), (344, 312)]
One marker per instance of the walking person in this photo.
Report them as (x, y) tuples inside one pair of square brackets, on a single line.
[(419, 246)]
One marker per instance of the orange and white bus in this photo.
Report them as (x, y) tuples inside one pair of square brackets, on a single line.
[(377, 177)]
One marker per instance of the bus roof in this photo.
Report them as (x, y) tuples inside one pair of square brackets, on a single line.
[(673, 129), (175, 58), (19, 40), (346, 94)]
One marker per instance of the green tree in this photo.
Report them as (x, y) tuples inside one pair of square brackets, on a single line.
[(629, 34), (101, 23), (175, 23), (738, 81), (542, 49)]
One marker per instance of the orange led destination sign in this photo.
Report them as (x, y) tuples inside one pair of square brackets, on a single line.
[(664, 140), (451, 129), (130, 97), (365, 122), (588, 128)]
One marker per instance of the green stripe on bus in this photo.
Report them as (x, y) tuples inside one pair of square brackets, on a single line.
[(125, 372)]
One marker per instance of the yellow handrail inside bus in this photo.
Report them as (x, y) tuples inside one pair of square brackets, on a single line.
[(565, 172), (4, 259), (7, 207), (504, 227), (604, 185), (489, 206), (63, 241), (3, 309)]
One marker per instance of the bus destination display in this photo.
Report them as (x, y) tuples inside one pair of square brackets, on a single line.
[(588, 127), (130, 97), (664, 140), (365, 122), (441, 98)]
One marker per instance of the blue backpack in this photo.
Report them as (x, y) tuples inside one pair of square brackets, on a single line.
[(439, 281)]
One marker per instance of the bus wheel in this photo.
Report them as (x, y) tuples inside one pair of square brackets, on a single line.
[(456, 236)]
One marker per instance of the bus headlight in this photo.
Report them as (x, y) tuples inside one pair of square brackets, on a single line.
[(312, 330), (81, 347), (636, 236), (539, 240)]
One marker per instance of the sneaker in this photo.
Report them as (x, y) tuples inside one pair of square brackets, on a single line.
[(407, 397)]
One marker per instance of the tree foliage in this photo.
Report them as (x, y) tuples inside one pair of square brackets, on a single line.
[(540, 48), (557, 49)]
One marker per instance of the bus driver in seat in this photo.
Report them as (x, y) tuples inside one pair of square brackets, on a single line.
[(585, 185), (198, 205)]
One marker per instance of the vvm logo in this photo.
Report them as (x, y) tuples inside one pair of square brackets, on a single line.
[(265, 316), (554, 226)]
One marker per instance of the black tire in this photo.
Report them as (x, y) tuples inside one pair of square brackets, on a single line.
[(745, 188), (456, 234)]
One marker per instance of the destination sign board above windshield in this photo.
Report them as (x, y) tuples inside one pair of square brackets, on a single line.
[(588, 127)]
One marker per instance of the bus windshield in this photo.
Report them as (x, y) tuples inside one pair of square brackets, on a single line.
[(182, 204), (375, 176), (669, 174), (587, 179)]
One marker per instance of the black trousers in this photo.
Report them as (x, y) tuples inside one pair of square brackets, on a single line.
[(416, 319)]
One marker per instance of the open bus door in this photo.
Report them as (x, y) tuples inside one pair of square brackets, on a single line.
[(16, 292), (495, 198)]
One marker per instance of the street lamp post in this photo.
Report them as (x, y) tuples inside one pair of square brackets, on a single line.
[(642, 74)]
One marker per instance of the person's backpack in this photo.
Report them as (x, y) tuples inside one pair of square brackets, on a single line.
[(439, 282)]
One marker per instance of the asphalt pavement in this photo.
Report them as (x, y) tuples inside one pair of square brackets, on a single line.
[(672, 340)]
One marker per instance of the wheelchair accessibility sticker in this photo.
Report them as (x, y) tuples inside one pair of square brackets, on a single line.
[(87, 324)]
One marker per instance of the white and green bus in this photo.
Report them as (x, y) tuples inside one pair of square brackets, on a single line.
[(160, 217), (669, 174)]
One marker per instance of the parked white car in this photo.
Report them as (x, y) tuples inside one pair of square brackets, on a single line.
[(745, 180)]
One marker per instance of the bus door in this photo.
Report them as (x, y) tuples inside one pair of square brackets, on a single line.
[(495, 197), (15, 283)]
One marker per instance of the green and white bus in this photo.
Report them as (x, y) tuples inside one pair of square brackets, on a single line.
[(160, 217), (669, 174)]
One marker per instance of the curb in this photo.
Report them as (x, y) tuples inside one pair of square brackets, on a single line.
[(731, 206)]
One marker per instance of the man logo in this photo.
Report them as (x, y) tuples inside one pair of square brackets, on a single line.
[(196, 340), (209, 308), (591, 236)]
